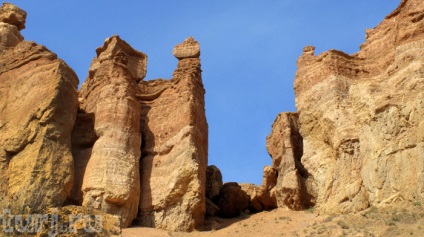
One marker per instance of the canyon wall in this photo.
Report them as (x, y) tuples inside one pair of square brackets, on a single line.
[(140, 147), (38, 105), (361, 119), (131, 148)]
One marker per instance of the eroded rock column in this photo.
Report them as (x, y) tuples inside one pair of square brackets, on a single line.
[(174, 151), (111, 180)]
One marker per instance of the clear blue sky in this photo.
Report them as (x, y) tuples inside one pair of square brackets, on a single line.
[(249, 50)]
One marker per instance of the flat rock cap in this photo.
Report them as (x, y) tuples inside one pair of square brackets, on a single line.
[(188, 49)]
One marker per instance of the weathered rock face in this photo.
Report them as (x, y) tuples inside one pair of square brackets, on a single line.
[(174, 148), (111, 177), (285, 146), (38, 104), (232, 200), (49, 133), (361, 117)]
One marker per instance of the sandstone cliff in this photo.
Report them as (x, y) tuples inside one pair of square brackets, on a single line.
[(361, 119), (140, 147), (38, 105), (111, 179), (174, 147), (122, 145)]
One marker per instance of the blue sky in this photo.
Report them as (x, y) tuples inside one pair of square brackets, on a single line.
[(248, 51)]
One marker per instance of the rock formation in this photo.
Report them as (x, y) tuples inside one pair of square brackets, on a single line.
[(174, 147), (111, 179), (38, 104), (122, 145), (285, 146), (213, 182), (362, 122), (232, 200), (213, 187)]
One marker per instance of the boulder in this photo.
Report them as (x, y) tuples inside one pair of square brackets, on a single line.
[(232, 200), (13, 15), (254, 192), (213, 182)]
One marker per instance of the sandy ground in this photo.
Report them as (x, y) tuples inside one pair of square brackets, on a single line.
[(384, 222)]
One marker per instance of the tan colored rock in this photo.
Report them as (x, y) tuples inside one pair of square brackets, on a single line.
[(188, 49), (269, 179), (361, 117), (213, 181), (263, 197), (254, 192), (285, 146), (38, 104), (9, 36), (174, 150), (13, 15), (111, 179)]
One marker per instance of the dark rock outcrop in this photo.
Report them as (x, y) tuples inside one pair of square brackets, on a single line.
[(232, 200)]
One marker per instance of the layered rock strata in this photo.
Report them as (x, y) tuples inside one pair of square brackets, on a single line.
[(361, 118), (111, 178), (174, 147), (38, 105), (91, 149)]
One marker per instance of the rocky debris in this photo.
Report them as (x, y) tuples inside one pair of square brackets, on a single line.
[(38, 104), (232, 200), (111, 178), (213, 182), (286, 179), (361, 118), (77, 221), (174, 151), (13, 15), (254, 192)]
